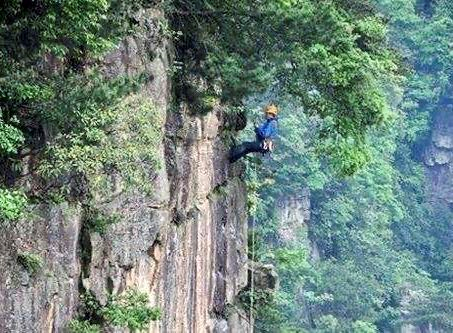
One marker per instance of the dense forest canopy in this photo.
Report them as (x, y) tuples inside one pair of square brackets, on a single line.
[(385, 245)]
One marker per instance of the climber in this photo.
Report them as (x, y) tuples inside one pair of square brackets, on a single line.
[(264, 135)]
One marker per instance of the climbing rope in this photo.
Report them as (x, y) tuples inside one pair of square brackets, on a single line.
[(252, 284), (252, 271)]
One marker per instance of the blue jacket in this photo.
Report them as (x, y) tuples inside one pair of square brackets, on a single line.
[(267, 130)]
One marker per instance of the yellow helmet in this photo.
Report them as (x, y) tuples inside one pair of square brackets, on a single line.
[(271, 109)]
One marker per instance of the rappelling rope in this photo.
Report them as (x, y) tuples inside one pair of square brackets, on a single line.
[(252, 284), (252, 268)]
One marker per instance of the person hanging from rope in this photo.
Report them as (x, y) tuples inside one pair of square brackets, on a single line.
[(265, 133)]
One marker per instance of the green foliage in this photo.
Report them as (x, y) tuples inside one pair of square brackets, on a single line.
[(438, 309), (363, 273), (80, 20), (333, 68), (130, 310), (90, 307), (101, 136), (327, 324), (424, 42), (206, 103), (30, 261), (49, 75), (97, 220), (12, 204), (83, 326), (254, 300), (385, 248), (347, 155), (10, 138), (363, 327), (75, 28), (63, 35), (58, 195)]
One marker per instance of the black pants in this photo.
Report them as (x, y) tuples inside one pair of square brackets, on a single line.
[(246, 148)]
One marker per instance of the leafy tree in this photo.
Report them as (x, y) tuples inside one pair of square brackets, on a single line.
[(330, 56)]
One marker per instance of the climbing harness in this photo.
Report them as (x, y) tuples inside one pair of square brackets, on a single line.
[(268, 145)]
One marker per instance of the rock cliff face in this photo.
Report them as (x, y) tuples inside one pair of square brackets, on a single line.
[(293, 216), (185, 245), (294, 221), (439, 158), (418, 329)]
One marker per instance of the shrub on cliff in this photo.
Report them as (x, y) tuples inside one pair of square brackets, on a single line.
[(30, 261), (12, 204), (83, 326), (130, 310)]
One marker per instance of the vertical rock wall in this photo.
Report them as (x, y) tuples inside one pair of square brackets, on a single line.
[(293, 215), (407, 328), (44, 301), (185, 245), (439, 158)]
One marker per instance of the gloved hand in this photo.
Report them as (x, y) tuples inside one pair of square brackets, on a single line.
[(268, 145)]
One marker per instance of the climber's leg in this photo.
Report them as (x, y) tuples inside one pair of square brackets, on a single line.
[(244, 149)]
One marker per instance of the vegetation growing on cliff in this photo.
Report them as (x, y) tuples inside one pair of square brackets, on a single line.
[(330, 57), (12, 204), (60, 107), (30, 261), (83, 326), (129, 309), (70, 130)]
